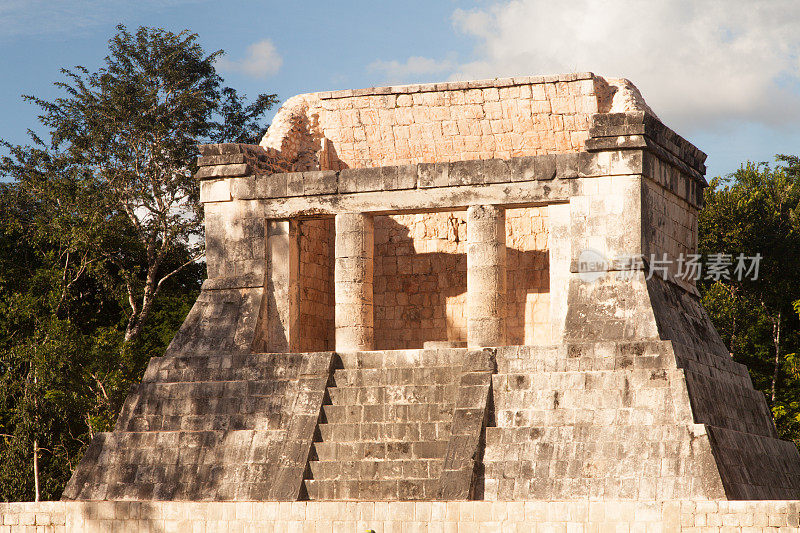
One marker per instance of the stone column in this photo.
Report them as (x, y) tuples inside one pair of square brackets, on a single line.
[(352, 277), (560, 252), (486, 276), (282, 287)]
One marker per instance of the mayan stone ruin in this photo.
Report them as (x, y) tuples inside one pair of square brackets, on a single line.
[(396, 310)]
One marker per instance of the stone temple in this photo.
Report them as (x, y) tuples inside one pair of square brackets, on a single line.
[(399, 308)]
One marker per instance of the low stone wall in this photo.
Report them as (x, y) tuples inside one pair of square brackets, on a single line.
[(386, 517)]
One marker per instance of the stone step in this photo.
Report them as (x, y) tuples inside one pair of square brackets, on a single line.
[(578, 395), (452, 357), (386, 431), (381, 413), (383, 450), (266, 421), (392, 394), (176, 441), (286, 360), (589, 379), (212, 392), (609, 356), (193, 390), (180, 456), (377, 470), (225, 367), (349, 377), (232, 405), (183, 465), (373, 490), (386, 426), (252, 373)]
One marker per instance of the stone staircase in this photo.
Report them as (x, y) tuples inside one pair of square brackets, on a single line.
[(385, 427)]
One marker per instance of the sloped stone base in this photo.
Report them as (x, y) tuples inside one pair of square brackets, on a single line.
[(581, 421), (210, 428)]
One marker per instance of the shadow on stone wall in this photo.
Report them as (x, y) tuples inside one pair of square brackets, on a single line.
[(316, 313), (413, 292), (118, 516)]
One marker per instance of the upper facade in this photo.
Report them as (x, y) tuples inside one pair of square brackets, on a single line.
[(445, 122), (574, 163)]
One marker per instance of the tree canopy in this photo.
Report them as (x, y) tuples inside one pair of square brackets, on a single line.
[(100, 237), (756, 210)]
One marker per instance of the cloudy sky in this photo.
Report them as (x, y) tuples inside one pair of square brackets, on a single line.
[(724, 74)]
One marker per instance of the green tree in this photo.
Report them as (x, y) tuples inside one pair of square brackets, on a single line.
[(756, 212), (99, 239), (133, 128)]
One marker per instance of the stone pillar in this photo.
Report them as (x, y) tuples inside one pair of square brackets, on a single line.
[(486, 276), (560, 251), (352, 277), (282, 287)]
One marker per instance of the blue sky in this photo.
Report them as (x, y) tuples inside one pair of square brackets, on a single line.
[(724, 74)]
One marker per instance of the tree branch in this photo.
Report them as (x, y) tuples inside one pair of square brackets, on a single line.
[(187, 263)]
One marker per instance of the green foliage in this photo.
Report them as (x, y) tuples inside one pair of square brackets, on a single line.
[(100, 232), (757, 210), (129, 132)]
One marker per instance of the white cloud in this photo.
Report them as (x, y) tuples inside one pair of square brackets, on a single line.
[(697, 63), (414, 69), (262, 60)]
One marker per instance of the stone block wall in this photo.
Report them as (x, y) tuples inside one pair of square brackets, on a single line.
[(441, 122), (604, 219), (450, 125), (316, 285), (420, 280), (395, 517), (596, 421), (670, 230), (229, 159), (527, 276), (222, 320), (235, 427)]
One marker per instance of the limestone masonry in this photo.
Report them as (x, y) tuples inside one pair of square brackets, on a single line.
[(396, 310)]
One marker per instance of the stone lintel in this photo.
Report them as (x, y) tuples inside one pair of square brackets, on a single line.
[(540, 176), (525, 194)]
